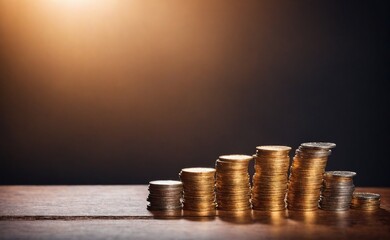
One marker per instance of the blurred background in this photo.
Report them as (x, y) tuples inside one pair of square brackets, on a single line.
[(124, 92)]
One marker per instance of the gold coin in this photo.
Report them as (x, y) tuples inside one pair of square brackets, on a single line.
[(198, 186), (232, 184), (306, 176), (270, 177)]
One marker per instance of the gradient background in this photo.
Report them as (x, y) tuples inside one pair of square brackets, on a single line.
[(123, 92)]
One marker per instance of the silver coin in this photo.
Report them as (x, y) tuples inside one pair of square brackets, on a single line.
[(165, 183), (312, 154), (337, 189), (365, 195), (318, 145), (340, 173)]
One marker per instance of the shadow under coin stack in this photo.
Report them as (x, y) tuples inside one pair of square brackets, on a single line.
[(337, 189), (306, 175), (165, 195), (366, 201), (270, 178), (198, 186), (233, 190)]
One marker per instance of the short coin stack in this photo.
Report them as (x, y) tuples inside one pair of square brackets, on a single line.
[(270, 178), (306, 175), (165, 195), (337, 189), (366, 201), (198, 185), (233, 190)]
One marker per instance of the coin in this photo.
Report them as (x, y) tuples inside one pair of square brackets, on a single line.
[(336, 191), (235, 158), (165, 195), (270, 177), (318, 145), (166, 183), (198, 184), (346, 174), (306, 175), (232, 184), (198, 171), (365, 195), (366, 201)]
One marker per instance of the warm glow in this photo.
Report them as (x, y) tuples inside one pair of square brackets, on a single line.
[(101, 80), (77, 4)]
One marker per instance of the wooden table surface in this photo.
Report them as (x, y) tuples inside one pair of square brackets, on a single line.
[(119, 212)]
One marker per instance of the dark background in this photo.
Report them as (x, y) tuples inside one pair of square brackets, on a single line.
[(115, 92)]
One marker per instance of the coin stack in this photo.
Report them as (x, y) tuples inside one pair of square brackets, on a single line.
[(165, 195), (198, 185), (233, 190), (337, 189), (306, 175), (270, 178), (366, 201)]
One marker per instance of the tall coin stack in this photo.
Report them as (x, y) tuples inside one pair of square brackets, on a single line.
[(165, 195), (337, 189), (270, 178), (366, 201), (233, 190), (198, 185), (306, 175)]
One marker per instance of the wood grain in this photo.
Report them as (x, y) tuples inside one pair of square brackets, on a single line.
[(90, 201), (73, 201), (103, 212), (193, 229)]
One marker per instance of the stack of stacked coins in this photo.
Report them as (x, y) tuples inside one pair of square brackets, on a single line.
[(233, 190), (337, 189), (306, 175), (165, 195), (270, 178), (366, 201), (198, 185)]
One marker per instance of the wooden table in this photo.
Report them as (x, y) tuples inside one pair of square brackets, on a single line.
[(119, 212)]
